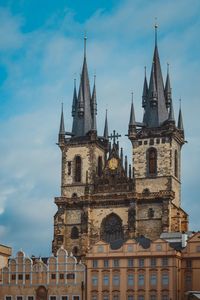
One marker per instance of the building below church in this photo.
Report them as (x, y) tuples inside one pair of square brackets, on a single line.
[(58, 277), (5, 253), (144, 270), (121, 217)]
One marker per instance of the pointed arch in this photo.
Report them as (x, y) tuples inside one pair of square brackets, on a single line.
[(176, 163), (151, 161), (100, 166), (78, 168), (111, 228), (74, 233)]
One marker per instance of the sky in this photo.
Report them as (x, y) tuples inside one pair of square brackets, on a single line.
[(41, 52)]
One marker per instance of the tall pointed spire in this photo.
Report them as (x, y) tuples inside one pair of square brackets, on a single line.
[(94, 106), (171, 113), (156, 32), (132, 113), (84, 121), (74, 102), (61, 135), (145, 90), (155, 111), (105, 134), (132, 123), (180, 119), (168, 94)]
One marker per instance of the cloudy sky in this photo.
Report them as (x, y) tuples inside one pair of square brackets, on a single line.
[(41, 52)]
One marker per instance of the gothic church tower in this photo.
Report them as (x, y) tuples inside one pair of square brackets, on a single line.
[(102, 196)]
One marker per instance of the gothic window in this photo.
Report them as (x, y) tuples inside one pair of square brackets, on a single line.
[(78, 167), (111, 228), (152, 161), (74, 233), (150, 213), (176, 163), (69, 166), (100, 164)]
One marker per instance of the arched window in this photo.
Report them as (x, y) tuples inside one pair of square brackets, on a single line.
[(74, 233), (176, 163), (78, 166), (111, 228), (100, 164), (152, 161)]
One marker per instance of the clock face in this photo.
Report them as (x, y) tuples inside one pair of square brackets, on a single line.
[(113, 163)]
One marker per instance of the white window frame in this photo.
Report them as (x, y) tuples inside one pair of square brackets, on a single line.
[(8, 296), (19, 296), (53, 296), (64, 296), (30, 296), (76, 296)]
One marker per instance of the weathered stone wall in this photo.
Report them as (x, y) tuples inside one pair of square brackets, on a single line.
[(89, 154), (165, 178)]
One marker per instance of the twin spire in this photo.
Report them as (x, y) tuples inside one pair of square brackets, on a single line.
[(156, 101), (84, 107), (156, 98)]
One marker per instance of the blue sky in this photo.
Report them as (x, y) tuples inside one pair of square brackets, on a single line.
[(41, 51)]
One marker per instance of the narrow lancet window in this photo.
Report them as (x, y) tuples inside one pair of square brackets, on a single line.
[(152, 161), (78, 166), (99, 169), (176, 163)]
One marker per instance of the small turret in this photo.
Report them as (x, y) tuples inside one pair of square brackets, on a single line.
[(168, 94), (132, 123), (61, 136), (105, 134), (171, 118), (145, 91), (180, 120), (74, 103), (153, 95), (94, 107)]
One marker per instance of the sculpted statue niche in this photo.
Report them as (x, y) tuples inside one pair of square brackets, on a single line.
[(131, 218), (84, 221), (111, 228)]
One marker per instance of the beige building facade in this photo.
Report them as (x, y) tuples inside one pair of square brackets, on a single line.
[(144, 270), (5, 253), (58, 277)]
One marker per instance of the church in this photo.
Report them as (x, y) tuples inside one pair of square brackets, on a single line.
[(104, 198), (119, 231)]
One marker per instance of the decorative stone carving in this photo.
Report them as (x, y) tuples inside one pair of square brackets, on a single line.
[(84, 221), (131, 218)]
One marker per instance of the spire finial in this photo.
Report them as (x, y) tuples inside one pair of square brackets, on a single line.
[(95, 77), (145, 71), (180, 102), (167, 68), (85, 42), (156, 29), (132, 97)]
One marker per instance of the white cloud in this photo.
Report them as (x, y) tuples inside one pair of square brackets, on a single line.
[(10, 32)]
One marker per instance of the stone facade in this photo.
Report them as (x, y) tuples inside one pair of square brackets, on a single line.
[(102, 197)]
